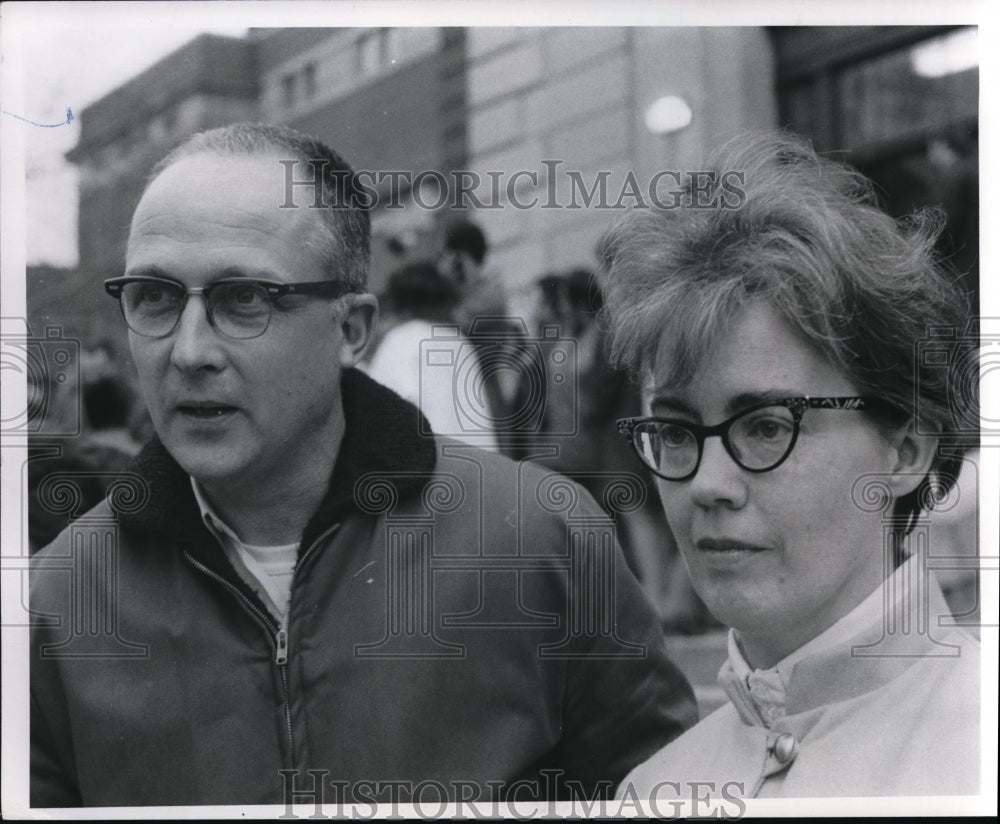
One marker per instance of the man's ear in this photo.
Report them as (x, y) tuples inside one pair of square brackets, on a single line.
[(357, 321), (912, 456)]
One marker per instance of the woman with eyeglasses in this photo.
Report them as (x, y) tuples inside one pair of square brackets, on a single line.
[(801, 432)]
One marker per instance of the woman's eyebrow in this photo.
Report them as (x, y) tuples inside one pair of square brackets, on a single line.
[(737, 403), (671, 404), (745, 400)]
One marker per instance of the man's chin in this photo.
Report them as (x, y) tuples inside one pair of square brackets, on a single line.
[(209, 466)]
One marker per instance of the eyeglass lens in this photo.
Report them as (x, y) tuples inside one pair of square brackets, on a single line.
[(240, 310), (758, 440)]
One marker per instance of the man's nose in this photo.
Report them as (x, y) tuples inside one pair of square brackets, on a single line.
[(196, 343), (719, 480)]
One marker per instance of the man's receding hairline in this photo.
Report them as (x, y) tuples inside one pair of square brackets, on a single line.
[(344, 241), (222, 154), (318, 224)]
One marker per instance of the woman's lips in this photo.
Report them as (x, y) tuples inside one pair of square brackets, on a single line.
[(725, 553), (205, 411)]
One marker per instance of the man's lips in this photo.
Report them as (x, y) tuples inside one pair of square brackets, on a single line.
[(726, 545)]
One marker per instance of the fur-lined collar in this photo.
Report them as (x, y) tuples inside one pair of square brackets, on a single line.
[(382, 434)]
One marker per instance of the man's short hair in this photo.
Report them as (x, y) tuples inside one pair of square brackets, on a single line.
[(575, 290), (345, 248), (419, 290), (466, 236)]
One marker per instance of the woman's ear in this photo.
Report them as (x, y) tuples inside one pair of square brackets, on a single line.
[(357, 321), (911, 456)]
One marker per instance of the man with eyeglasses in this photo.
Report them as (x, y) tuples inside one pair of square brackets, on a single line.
[(308, 600)]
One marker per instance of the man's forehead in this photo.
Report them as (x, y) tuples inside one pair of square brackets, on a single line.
[(238, 190), (239, 177)]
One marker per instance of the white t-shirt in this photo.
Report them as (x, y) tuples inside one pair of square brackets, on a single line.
[(435, 367), (267, 570)]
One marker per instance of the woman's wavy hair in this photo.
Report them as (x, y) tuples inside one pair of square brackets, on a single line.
[(805, 235)]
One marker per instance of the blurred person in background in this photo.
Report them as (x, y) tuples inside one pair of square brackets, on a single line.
[(505, 354), (104, 447), (481, 311), (462, 260), (571, 301), (108, 407), (422, 303), (795, 434)]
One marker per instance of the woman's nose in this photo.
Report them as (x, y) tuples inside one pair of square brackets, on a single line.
[(719, 480)]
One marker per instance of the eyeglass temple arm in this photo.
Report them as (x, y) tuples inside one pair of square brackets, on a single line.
[(320, 287)]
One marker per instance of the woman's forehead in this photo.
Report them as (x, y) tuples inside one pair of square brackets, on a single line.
[(756, 354)]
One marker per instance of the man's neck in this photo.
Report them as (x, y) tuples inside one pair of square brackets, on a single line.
[(275, 510)]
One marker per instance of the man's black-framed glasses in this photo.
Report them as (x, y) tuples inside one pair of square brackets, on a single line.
[(759, 438), (237, 307)]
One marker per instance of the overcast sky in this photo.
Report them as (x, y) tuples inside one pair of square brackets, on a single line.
[(71, 69)]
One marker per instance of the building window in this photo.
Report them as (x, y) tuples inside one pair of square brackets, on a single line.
[(126, 139), (380, 50), (288, 90), (393, 46), (901, 103), (154, 129), (309, 80), (369, 51)]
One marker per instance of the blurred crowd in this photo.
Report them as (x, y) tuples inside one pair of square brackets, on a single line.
[(535, 386), (88, 430)]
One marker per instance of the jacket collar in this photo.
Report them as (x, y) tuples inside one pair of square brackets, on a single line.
[(382, 435), (856, 655)]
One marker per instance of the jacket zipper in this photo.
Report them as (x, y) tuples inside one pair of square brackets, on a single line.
[(278, 634)]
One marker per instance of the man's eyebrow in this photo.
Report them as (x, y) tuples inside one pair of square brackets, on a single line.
[(147, 272), (237, 272), (153, 271)]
